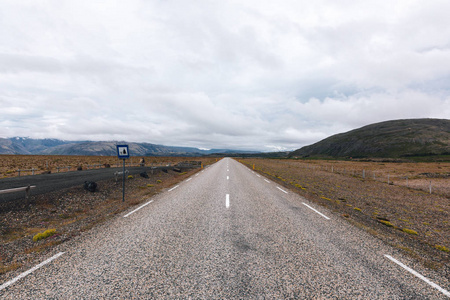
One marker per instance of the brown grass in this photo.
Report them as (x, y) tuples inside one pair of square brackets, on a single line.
[(9, 164)]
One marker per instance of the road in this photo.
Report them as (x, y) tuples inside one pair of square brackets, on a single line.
[(46, 183), (226, 233)]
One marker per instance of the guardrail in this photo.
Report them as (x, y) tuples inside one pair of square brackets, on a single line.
[(20, 189), (27, 170), (116, 174)]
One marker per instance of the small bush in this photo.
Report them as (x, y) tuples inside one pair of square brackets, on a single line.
[(358, 209), (158, 181), (410, 231), (442, 248), (150, 185), (387, 223), (44, 235), (130, 177)]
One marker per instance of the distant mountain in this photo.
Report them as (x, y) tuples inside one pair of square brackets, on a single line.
[(20, 145), (391, 139)]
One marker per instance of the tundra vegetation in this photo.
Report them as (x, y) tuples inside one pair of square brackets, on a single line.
[(9, 164), (403, 213)]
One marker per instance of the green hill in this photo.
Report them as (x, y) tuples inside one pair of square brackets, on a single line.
[(391, 139)]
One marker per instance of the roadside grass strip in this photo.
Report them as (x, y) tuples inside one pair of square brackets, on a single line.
[(282, 190), (138, 208), (442, 290), (12, 281), (316, 211), (173, 188)]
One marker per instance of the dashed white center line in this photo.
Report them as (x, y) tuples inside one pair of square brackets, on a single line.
[(266, 180), (282, 190), (442, 290), (316, 211), (12, 281), (138, 208), (228, 177), (197, 174), (188, 179), (173, 188), (258, 175), (227, 201)]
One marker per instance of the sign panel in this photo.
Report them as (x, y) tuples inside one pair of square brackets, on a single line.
[(123, 152)]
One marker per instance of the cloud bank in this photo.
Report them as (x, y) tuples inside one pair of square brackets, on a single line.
[(256, 75)]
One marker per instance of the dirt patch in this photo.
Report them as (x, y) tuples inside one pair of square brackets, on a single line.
[(403, 214), (71, 212)]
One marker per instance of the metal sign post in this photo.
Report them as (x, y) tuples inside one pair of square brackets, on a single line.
[(123, 153)]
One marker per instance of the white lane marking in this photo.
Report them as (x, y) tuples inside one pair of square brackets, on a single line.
[(442, 290), (228, 170), (12, 281), (138, 208), (282, 190), (316, 211), (197, 174), (266, 180), (228, 177), (188, 179), (227, 201), (258, 175), (173, 188)]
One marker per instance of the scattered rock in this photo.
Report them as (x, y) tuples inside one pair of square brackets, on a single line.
[(91, 186), (144, 174)]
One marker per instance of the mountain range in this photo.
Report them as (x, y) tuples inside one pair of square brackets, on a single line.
[(23, 145)]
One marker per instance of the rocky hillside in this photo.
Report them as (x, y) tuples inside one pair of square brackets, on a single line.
[(391, 139)]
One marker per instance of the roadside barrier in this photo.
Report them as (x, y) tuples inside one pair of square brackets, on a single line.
[(20, 189)]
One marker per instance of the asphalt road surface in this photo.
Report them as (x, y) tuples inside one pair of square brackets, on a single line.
[(226, 233)]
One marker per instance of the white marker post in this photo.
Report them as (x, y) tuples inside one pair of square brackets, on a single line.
[(123, 153)]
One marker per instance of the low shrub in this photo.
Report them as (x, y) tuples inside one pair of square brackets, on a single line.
[(387, 223), (442, 248), (410, 231), (44, 235)]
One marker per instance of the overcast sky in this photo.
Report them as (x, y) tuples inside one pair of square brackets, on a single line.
[(260, 75)]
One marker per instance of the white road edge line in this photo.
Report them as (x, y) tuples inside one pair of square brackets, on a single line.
[(173, 188), (316, 211), (138, 208), (258, 175), (266, 180), (12, 281), (282, 190), (197, 174), (442, 290), (227, 201), (188, 179)]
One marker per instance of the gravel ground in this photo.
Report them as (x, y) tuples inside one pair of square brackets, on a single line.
[(188, 244)]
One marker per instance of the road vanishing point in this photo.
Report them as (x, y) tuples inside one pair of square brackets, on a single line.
[(225, 233)]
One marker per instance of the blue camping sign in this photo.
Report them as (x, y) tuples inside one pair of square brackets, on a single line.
[(123, 152)]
